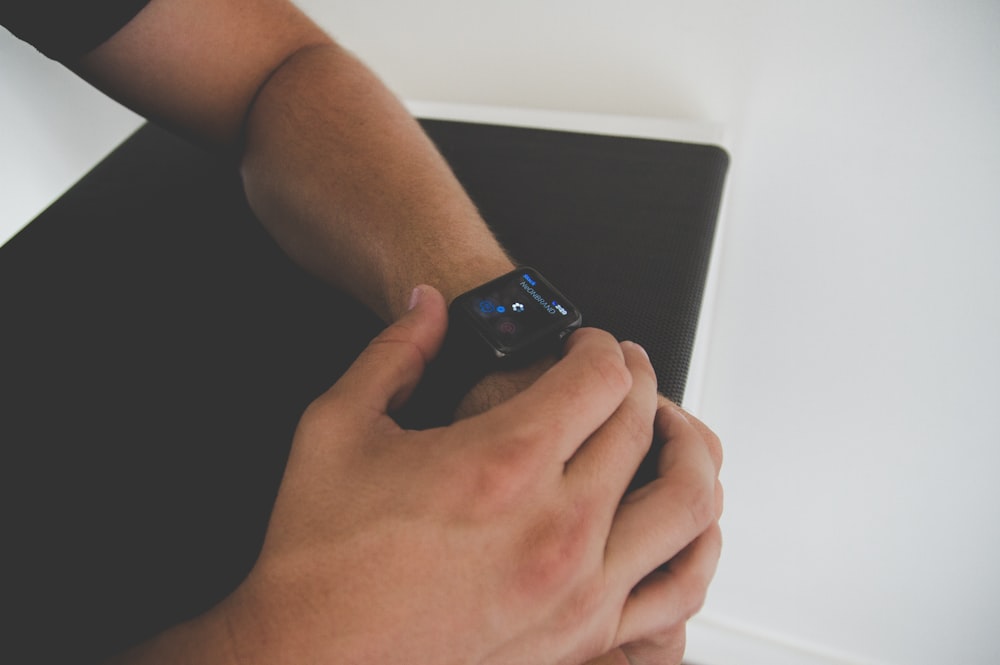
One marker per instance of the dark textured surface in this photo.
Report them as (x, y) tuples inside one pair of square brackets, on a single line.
[(158, 350), (623, 226)]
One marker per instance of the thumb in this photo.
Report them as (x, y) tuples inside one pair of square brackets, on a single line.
[(387, 371)]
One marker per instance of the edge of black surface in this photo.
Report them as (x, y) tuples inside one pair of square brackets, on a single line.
[(157, 166)]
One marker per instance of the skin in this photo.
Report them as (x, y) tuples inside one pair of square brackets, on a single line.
[(500, 539), (483, 542)]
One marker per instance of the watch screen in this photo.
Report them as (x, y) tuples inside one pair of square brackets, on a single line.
[(519, 309)]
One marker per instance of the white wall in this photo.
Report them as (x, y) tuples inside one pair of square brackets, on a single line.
[(53, 128), (855, 357)]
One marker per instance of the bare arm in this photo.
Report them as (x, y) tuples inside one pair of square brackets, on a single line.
[(333, 165)]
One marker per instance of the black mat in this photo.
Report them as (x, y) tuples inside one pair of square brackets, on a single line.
[(157, 350)]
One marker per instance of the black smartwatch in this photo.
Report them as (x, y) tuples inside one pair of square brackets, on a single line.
[(513, 319), (506, 323)]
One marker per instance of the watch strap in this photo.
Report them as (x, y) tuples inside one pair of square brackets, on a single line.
[(461, 363)]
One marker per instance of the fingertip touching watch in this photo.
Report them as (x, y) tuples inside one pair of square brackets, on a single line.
[(505, 323)]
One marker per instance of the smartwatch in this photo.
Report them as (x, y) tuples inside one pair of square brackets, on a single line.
[(505, 323), (513, 319)]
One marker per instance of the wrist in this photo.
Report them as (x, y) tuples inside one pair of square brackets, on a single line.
[(452, 278), (499, 386), (474, 273), (501, 336)]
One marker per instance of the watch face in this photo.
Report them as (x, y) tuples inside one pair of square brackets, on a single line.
[(518, 311)]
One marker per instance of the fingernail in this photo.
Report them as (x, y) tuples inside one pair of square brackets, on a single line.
[(637, 347), (414, 298)]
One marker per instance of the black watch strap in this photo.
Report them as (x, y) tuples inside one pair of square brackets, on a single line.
[(505, 323), (460, 364)]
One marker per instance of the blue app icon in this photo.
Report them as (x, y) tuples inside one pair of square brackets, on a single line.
[(486, 306)]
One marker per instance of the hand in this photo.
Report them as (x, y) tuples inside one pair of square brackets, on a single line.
[(499, 539), (683, 583), (687, 578)]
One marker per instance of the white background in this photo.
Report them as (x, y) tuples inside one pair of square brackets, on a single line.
[(855, 348)]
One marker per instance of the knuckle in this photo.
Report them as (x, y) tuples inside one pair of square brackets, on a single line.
[(637, 427), (692, 597), (714, 447), (526, 437), (670, 645), (695, 601), (498, 480), (555, 554), (632, 432), (641, 364), (711, 440), (610, 367), (700, 504), (316, 416), (393, 343)]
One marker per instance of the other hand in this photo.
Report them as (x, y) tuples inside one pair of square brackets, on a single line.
[(500, 539)]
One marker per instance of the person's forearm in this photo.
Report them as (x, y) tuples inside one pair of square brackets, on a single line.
[(350, 186)]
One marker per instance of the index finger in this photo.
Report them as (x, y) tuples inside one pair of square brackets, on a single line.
[(569, 402)]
